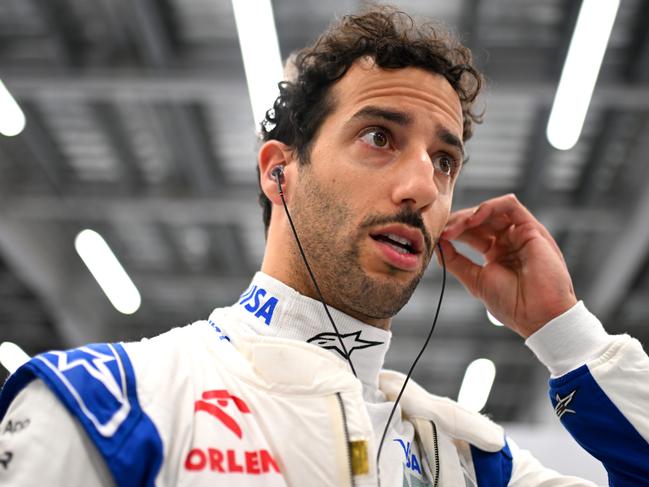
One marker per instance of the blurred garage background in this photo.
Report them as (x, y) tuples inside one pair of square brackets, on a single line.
[(139, 127)]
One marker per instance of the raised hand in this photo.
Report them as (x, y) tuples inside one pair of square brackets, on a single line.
[(524, 281)]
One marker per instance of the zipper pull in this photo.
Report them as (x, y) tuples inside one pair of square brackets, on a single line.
[(359, 457)]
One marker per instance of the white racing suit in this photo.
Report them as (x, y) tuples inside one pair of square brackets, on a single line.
[(259, 395)]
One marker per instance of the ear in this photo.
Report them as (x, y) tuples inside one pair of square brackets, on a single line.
[(275, 153)]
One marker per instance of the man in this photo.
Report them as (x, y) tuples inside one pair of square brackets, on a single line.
[(369, 137)]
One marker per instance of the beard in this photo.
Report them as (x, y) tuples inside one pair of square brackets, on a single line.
[(332, 244)]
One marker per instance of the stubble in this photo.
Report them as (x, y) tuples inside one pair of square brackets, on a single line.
[(333, 243)]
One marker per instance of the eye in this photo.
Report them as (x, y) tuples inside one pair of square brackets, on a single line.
[(376, 137), (446, 164)]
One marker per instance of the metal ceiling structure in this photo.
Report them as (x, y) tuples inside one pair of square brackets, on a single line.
[(139, 127)]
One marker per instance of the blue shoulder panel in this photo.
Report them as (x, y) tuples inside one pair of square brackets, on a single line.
[(492, 469), (96, 383), (600, 427)]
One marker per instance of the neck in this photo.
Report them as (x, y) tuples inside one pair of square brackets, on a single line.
[(270, 307)]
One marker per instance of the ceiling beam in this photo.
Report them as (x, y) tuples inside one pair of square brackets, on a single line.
[(186, 138), (470, 23), (229, 206), (40, 256), (109, 121), (171, 85), (178, 121), (611, 284), (539, 151), (637, 68), (35, 147), (63, 30), (589, 190), (536, 162)]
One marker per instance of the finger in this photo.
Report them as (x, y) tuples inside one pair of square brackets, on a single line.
[(477, 239), (465, 270), (457, 223), (502, 208), (497, 214), (485, 216), (459, 215)]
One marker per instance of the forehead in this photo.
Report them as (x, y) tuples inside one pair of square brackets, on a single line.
[(416, 90)]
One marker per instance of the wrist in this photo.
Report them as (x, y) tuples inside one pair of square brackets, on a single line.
[(570, 340), (550, 313)]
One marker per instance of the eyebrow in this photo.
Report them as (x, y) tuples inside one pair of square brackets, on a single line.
[(400, 118), (451, 139), (404, 119)]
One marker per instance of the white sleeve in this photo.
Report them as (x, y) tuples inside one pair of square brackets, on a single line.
[(570, 340), (42, 444), (617, 363), (527, 471), (599, 390)]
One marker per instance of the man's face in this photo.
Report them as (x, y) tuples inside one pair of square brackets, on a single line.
[(377, 190)]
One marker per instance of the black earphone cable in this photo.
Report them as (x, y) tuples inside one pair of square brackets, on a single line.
[(412, 367), (278, 174), (278, 177)]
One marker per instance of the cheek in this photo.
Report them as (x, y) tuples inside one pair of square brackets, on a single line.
[(444, 201), (354, 188), (445, 186), (438, 216)]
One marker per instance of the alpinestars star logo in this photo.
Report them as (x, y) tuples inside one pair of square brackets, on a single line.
[(5, 459), (352, 341), (562, 404)]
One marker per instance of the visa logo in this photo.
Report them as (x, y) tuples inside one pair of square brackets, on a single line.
[(255, 301), (412, 463)]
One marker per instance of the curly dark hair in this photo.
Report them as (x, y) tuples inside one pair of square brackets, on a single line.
[(393, 40)]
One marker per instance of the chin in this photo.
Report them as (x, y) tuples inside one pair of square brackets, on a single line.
[(385, 293), (392, 275)]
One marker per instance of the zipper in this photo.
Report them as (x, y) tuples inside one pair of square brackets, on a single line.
[(347, 446), (436, 453)]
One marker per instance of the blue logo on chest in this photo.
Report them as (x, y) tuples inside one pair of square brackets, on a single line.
[(411, 463), (256, 301)]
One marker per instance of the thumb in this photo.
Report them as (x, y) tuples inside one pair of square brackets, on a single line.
[(463, 268)]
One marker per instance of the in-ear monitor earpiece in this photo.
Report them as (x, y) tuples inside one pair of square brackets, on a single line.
[(278, 173)]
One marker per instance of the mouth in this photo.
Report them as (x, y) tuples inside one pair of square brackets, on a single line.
[(403, 239), (400, 245)]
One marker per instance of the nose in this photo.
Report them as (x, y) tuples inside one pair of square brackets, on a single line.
[(415, 183)]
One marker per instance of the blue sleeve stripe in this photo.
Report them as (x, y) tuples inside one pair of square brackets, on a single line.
[(15, 383), (492, 469), (96, 384), (600, 427)]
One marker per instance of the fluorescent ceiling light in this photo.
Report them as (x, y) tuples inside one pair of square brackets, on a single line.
[(260, 50), (476, 385), (580, 71), (12, 118), (12, 356), (494, 320), (107, 271)]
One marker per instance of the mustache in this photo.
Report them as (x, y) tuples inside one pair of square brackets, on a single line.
[(407, 217)]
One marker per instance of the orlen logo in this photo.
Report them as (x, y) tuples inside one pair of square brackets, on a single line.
[(254, 301), (222, 397), (252, 462)]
